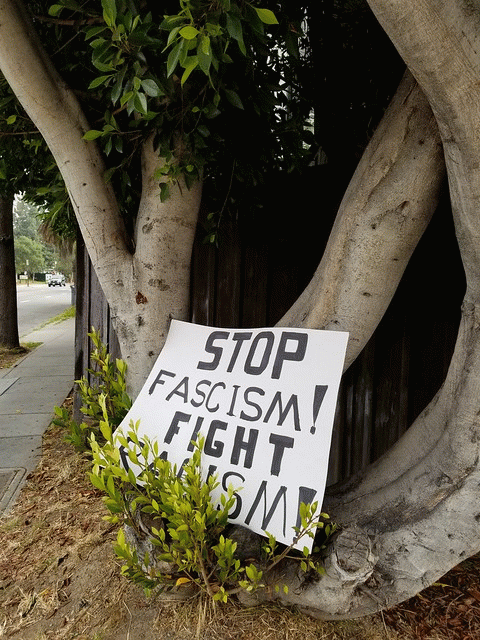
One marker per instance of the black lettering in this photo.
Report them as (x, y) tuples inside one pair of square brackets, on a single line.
[(281, 493), (216, 407), (240, 339), (282, 413), (200, 393), (178, 390), (212, 468), (305, 495), (282, 354), (236, 387), (257, 370), (238, 504), (124, 457), (320, 391), (246, 397), (194, 437), (216, 351), (158, 379), (182, 468), (174, 426), (211, 448), (280, 443), (246, 445)]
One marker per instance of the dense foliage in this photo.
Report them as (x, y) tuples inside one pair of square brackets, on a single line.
[(231, 91), (215, 83)]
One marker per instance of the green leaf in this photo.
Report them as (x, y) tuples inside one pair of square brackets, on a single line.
[(234, 98), (266, 16), (140, 103), (234, 27), (190, 64), (174, 56), (164, 192), (172, 35), (97, 482), (11, 119), (93, 134), (55, 9), (189, 32), (117, 90), (109, 12), (251, 572), (126, 97), (151, 88), (204, 61), (170, 22), (102, 66), (98, 81), (94, 31), (205, 46)]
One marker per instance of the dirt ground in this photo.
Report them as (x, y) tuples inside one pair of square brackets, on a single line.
[(59, 580), (8, 357)]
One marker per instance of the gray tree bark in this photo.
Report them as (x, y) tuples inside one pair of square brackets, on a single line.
[(384, 212), (8, 281), (412, 516), (149, 285)]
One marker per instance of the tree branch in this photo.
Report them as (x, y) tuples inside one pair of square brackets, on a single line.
[(385, 210), (54, 109)]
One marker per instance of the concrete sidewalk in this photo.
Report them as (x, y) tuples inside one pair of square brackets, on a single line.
[(29, 391)]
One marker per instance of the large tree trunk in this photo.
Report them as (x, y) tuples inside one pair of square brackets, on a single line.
[(386, 208), (414, 514), (396, 537), (8, 281), (146, 286)]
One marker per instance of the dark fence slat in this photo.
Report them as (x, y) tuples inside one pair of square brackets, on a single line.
[(203, 269), (255, 274), (228, 284)]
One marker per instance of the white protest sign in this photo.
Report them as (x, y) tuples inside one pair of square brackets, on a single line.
[(263, 399)]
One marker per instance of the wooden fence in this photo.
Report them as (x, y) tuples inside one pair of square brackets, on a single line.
[(258, 270)]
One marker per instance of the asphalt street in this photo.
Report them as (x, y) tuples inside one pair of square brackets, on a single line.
[(38, 303)]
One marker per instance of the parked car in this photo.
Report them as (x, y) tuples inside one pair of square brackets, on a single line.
[(57, 280)]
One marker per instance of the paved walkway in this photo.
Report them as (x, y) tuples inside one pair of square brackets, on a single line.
[(29, 391)]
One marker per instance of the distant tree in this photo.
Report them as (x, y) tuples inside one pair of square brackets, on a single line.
[(26, 167), (25, 219), (18, 163), (29, 256)]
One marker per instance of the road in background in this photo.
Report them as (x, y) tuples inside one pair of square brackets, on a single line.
[(38, 303)]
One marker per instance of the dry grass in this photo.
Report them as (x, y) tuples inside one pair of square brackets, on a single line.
[(8, 357), (59, 580)]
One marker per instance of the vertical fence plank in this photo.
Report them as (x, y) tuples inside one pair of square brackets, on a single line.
[(228, 271), (252, 278), (203, 285), (255, 286)]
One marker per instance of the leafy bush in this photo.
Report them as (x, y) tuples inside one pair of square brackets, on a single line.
[(187, 529), (110, 383)]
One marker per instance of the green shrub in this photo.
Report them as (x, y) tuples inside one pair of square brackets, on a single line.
[(108, 380), (187, 529)]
